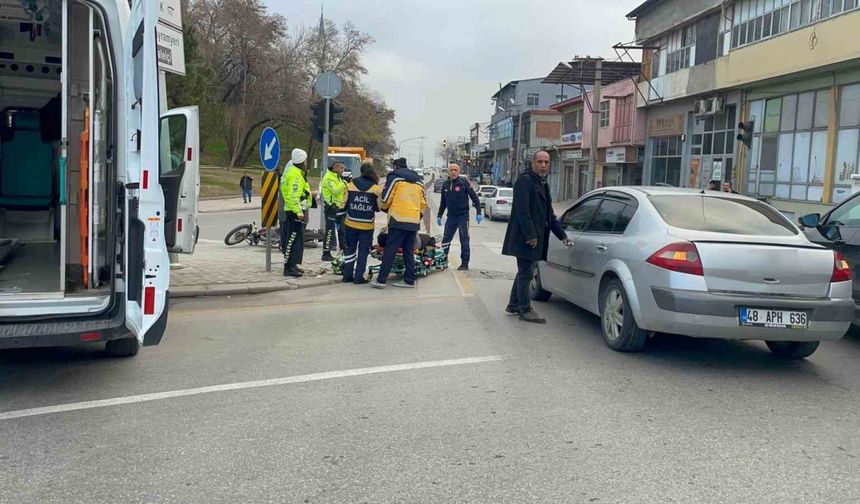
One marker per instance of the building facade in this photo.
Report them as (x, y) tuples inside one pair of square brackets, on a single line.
[(791, 68), (510, 104), (620, 140)]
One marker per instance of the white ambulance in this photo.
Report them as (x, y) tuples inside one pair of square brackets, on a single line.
[(96, 186)]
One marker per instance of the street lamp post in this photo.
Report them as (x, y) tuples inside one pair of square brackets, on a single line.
[(399, 145)]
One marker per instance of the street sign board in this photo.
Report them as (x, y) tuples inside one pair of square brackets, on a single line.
[(170, 49), (170, 13), (269, 198), (328, 85), (270, 149)]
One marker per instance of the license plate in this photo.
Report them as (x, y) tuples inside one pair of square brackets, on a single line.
[(776, 319)]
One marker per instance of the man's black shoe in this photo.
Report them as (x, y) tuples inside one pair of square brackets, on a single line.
[(510, 310), (463, 267), (300, 270), (348, 280), (532, 316), (360, 281), (327, 257), (293, 272)]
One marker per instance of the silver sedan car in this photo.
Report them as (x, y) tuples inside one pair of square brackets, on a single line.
[(701, 264)]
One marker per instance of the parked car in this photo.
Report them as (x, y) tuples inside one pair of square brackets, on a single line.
[(839, 229), (499, 203), (437, 184), (706, 265), (484, 192)]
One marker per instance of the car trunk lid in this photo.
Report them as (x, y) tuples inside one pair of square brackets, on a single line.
[(758, 267)]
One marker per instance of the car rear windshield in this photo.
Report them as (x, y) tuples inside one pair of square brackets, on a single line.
[(722, 215), (506, 193), (487, 190)]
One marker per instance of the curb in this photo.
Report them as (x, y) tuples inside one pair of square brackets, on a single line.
[(212, 290)]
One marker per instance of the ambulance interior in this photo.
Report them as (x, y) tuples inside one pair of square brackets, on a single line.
[(55, 209)]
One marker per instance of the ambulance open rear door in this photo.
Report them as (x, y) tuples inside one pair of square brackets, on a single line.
[(147, 265)]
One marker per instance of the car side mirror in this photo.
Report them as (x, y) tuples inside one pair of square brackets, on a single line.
[(831, 233), (809, 220)]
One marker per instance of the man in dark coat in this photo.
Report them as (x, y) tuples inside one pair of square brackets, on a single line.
[(527, 238)]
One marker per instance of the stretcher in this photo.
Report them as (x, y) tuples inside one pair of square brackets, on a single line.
[(428, 257)]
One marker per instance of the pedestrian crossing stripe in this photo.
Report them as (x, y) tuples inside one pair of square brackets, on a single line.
[(269, 198)]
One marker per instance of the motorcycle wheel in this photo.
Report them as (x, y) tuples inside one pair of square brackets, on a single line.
[(238, 235)]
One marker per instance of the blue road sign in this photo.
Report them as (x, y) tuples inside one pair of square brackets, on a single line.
[(270, 149)]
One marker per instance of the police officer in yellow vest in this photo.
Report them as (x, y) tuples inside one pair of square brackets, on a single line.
[(334, 203), (296, 192)]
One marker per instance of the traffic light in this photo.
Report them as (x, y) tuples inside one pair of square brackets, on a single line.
[(444, 143), (318, 120), (745, 134), (335, 114)]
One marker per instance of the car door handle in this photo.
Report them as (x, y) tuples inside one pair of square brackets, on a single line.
[(602, 248)]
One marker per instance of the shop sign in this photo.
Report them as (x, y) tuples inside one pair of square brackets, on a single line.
[(666, 126), (572, 138), (616, 155), (572, 155)]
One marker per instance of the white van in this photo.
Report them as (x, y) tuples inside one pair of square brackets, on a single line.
[(96, 187)]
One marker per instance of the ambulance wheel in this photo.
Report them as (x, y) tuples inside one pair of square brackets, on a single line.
[(125, 347)]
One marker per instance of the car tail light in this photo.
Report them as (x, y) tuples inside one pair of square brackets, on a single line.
[(502, 202), (841, 268), (682, 257)]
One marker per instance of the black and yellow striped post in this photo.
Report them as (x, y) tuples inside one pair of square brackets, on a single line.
[(269, 210)]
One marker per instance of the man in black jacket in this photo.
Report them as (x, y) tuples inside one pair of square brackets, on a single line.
[(456, 193), (526, 237)]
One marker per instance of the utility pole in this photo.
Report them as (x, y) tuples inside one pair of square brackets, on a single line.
[(595, 124), (324, 166), (421, 154), (515, 172)]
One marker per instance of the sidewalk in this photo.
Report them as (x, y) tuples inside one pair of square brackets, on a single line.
[(218, 270), (215, 205)]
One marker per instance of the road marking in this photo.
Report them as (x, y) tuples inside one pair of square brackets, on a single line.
[(118, 401), (464, 283)]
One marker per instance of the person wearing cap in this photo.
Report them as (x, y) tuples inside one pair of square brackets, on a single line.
[(334, 202), (295, 190), (404, 200)]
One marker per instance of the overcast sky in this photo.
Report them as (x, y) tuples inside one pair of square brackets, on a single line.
[(437, 62)]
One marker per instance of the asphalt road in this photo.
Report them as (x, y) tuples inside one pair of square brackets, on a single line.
[(291, 397)]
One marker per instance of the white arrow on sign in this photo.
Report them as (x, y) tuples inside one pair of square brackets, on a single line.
[(268, 154)]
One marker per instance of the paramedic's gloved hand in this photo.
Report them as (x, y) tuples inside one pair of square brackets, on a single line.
[(479, 218), (438, 221)]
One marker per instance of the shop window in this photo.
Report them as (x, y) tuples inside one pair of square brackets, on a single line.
[(666, 160), (847, 142), (787, 158)]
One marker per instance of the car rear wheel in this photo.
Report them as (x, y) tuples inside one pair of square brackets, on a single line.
[(618, 326), (792, 349), (536, 290)]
